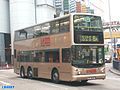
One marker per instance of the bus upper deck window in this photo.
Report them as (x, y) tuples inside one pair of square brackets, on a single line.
[(64, 25)]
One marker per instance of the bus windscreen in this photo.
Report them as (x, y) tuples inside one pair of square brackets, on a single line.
[(88, 29)]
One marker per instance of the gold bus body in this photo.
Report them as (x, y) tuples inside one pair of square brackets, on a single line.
[(67, 72)]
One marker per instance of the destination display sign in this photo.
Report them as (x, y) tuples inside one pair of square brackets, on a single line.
[(94, 37), (89, 38)]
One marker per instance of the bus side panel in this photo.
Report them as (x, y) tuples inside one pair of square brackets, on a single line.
[(16, 66), (45, 70), (65, 72)]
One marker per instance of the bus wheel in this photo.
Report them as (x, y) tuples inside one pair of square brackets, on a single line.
[(55, 76), (22, 72), (84, 81), (30, 73)]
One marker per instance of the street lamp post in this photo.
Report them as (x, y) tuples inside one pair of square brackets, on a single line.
[(110, 29), (1, 63)]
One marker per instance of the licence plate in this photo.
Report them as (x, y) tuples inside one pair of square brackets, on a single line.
[(91, 71)]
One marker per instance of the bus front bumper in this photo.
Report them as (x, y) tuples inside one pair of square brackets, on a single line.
[(88, 77)]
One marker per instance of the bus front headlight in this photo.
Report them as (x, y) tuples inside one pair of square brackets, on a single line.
[(78, 73), (102, 69)]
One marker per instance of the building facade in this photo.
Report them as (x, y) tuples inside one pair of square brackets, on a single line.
[(21, 15), (66, 6), (72, 6), (85, 6), (80, 6), (58, 6), (44, 10), (25, 13), (5, 52)]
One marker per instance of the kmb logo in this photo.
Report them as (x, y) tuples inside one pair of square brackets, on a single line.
[(45, 41)]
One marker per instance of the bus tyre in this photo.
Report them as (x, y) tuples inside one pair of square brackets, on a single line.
[(55, 76), (30, 73), (84, 81), (22, 72)]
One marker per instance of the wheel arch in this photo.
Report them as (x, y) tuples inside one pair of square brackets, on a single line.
[(53, 69), (57, 80), (22, 67), (29, 67), (22, 71), (28, 70)]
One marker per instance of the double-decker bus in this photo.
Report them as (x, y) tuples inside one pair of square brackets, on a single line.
[(68, 48)]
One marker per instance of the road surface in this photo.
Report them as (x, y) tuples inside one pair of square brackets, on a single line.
[(7, 77)]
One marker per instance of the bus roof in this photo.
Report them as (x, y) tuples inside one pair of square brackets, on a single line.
[(71, 14)]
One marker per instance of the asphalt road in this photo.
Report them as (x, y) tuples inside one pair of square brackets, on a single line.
[(7, 77)]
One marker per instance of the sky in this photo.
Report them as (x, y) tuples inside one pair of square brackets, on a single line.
[(114, 10)]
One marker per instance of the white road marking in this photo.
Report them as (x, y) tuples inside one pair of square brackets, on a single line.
[(113, 78), (48, 84), (5, 83)]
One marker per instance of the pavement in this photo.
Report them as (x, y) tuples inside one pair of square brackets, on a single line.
[(6, 67), (112, 70)]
